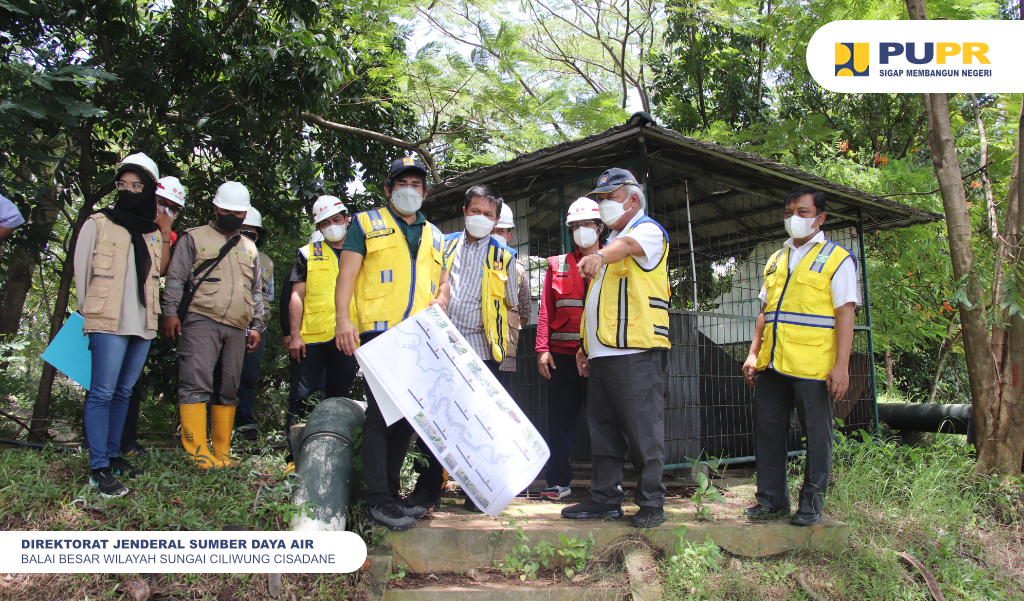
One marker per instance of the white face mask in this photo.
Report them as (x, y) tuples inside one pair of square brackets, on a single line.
[(585, 237), (334, 232), (479, 226), (800, 227), (406, 200), (611, 211)]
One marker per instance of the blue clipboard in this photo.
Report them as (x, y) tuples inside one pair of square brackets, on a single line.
[(69, 351)]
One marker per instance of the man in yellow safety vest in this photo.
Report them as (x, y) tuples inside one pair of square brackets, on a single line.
[(391, 267), (800, 355), (311, 313)]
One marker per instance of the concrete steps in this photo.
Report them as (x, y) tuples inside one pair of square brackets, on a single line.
[(455, 541)]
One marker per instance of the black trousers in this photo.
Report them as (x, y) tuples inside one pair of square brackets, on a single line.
[(626, 414), (567, 392), (431, 476), (323, 367), (775, 397)]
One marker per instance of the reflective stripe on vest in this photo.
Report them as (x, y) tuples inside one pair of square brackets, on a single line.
[(393, 283), (799, 336), (318, 309), (226, 296), (494, 306), (101, 307), (632, 309)]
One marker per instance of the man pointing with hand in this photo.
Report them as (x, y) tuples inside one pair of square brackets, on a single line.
[(800, 355)]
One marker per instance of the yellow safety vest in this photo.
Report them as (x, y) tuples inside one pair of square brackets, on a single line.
[(632, 305), (493, 304), (800, 322), (393, 283), (319, 315)]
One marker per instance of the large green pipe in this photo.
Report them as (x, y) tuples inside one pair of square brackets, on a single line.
[(926, 417), (324, 462)]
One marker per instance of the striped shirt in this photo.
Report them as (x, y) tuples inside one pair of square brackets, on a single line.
[(465, 280)]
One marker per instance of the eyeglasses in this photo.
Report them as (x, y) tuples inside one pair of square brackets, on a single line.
[(134, 186), (172, 210)]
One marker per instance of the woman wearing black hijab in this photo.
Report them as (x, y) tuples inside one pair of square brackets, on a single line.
[(117, 275)]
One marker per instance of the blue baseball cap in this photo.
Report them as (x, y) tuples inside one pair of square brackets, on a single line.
[(613, 179), (400, 166)]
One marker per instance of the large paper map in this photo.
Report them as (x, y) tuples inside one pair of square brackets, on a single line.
[(424, 370)]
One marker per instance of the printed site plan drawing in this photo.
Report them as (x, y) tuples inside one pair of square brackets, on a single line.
[(425, 371)]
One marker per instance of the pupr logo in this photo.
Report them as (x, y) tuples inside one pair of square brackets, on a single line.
[(852, 59)]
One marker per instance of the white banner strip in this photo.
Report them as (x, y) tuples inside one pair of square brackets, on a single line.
[(918, 56), (181, 552)]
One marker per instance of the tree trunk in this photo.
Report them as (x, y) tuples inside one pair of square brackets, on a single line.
[(21, 266), (947, 345), (889, 383), (991, 435)]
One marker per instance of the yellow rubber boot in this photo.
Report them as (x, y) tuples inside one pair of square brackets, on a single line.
[(223, 423), (193, 435)]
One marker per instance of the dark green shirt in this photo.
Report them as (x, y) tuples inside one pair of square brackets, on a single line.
[(355, 239)]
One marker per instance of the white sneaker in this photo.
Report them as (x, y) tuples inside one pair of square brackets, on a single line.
[(555, 493)]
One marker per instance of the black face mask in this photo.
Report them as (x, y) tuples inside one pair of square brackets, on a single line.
[(250, 235), (229, 222), (129, 200)]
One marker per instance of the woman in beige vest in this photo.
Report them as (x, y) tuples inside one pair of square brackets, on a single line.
[(117, 275)]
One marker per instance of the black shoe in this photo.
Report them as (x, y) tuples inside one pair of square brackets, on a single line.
[(592, 510), (648, 517), (421, 498), (251, 434), (120, 467), (390, 515), (470, 506), (409, 508), (805, 518), (103, 479), (760, 512)]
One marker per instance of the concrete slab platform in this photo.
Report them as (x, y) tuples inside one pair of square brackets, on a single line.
[(504, 592), (454, 540)]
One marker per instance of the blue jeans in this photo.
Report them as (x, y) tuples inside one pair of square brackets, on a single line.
[(247, 385), (116, 364)]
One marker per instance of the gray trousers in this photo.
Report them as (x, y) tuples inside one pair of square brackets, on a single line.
[(202, 342), (626, 414), (775, 397)]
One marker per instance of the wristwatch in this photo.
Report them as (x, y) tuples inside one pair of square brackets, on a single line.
[(604, 259)]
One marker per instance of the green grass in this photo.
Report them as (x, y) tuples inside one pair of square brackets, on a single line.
[(967, 529), (47, 490)]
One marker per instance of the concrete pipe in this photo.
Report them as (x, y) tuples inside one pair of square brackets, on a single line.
[(324, 463)]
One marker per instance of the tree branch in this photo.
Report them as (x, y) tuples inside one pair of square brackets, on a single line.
[(417, 147)]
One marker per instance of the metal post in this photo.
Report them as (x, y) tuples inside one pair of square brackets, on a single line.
[(693, 260), (562, 225), (867, 314)]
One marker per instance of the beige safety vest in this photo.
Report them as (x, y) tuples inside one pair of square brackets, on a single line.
[(225, 296), (514, 321), (267, 275), (102, 305)]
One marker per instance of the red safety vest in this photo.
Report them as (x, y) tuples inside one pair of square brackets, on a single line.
[(570, 288)]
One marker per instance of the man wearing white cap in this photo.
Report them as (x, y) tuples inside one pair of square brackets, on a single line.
[(518, 315), (311, 311), (213, 296)]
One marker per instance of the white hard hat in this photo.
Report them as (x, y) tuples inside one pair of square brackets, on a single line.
[(583, 209), (170, 188), (506, 220), (326, 206), (141, 160), (253, 218), (232, 196), (317, 236)]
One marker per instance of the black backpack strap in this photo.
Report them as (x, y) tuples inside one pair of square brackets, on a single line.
[(194, 279)]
